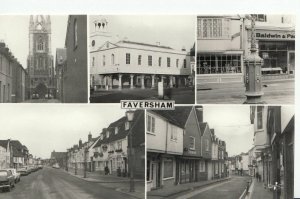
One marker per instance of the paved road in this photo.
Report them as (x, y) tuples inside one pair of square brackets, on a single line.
[(281, 92), (231, 189), (50, 183)]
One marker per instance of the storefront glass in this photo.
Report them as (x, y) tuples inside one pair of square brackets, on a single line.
[(218, 63), (276, 55)]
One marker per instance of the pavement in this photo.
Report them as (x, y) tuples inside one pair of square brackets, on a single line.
[(120, 184), (42, 101), (173, 191), (50, 183), (183, 95), (275, 92), (258, 191)]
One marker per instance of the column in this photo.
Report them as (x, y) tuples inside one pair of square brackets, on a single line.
[(162, 79), (120, 81), (143, 81), (171, 81), (131, 81), (110, 82), (153, 81), (105, 82)]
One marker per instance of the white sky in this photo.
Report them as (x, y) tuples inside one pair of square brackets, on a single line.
[(14, 31), (231, 124), (44, 128), (170, 30)]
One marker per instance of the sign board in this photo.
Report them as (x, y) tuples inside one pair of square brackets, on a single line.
[(275, 35), (160, 89)]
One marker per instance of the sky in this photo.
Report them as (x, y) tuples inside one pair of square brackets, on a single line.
[(170, 30), (14, 31), (47, 127), (231, 124)]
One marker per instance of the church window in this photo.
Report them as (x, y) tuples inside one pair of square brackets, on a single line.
[(75, 34), (40, 45)]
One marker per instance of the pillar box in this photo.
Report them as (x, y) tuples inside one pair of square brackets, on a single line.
[(253, 78)]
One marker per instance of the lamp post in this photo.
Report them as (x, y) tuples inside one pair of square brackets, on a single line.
[(130, 116), (253, 65)]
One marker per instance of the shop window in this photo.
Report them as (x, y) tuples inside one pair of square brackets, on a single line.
[(210, 28), (218, 64), (127, 58), (139, 60), (150, 124), (168, 168), (260, 117), (149, 60)]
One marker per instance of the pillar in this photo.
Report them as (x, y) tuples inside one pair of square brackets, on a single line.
[(131, 81), (110, 82), (162, 79), (120, 81), (143, 81), (171, 82), (153, 81), (106, 82)]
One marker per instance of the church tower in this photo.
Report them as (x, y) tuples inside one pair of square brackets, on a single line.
[(99, 32), (40, 60)]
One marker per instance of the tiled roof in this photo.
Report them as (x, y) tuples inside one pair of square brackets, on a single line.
[(18, 148), (202, 127), (178, 116), (3, 143)]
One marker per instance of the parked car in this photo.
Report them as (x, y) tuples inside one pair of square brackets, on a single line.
[(56, 166), (6, 180), (23, 171), (17, 176), (49, 96), (40, 166), (35, 96)]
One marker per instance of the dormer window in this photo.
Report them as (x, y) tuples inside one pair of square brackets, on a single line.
[(127, 125), (116, 130), (107, 134)]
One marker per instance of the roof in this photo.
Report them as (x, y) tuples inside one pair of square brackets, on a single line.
[(202, 127), (138, 130), (58, 155), (4, 143), (18, 148), (178, 117), (143, 44)]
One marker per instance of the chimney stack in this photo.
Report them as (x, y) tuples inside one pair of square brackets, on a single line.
[(89, 137), (80, 143)]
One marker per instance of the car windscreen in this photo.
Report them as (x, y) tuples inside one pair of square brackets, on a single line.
[(3, 173)]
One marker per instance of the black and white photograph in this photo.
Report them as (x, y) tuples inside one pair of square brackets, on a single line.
[(71, 152), (225, 152), (135, 57), (246, 59), (43, 59)]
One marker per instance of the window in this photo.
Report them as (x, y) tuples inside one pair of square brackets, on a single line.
[(127, 125), (139, 60), (119, 144), (260, 17), (149, 60), (210, 28), (112, 59), (93, 61), (207, 145), (218, 64), (201, 166), (150, 124), (103, 60), (173, 133), (148, 170), (184, 63), (40, 44), (159, 61), (192, 143), (168, 168), (260, 117), (75, 34), (168, 61), (177, 63), (116, 130), (127, 58)]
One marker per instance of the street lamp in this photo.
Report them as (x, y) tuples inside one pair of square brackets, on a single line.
[(253, 63), (130, 116)]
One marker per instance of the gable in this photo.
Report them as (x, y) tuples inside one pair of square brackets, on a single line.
[(107, 45)]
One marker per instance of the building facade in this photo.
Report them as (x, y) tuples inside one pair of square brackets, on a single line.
[(129, 64), (6, 59), (40, 59), (75, 83), (60, 61)]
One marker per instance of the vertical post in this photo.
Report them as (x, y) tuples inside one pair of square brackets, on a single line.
[(153, 81), (120, 81), (143, 81), (131, 163), (171, 82), (131, 81)]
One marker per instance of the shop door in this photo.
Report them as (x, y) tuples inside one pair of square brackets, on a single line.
[(154, 176), (291, 62)]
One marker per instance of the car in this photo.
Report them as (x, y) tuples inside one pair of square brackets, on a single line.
[(16, 175), (49, 96), (35, 96), (23, 171), (7, 180), (40, 166), (56, 166)]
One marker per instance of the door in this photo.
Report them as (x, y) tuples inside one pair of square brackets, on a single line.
[(291, 62), (154, 173)]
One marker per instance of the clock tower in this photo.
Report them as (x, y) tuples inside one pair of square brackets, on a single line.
[(40, 60)]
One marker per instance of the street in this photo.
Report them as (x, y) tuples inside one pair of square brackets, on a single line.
[(275, 92), (231, 189), (50, 183), (42, 101)]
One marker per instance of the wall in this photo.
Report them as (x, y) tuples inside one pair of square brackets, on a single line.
[(157, 141)]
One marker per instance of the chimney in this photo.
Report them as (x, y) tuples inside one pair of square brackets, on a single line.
[(90, 137), (183, 48), (80, 143), (199, 109)]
